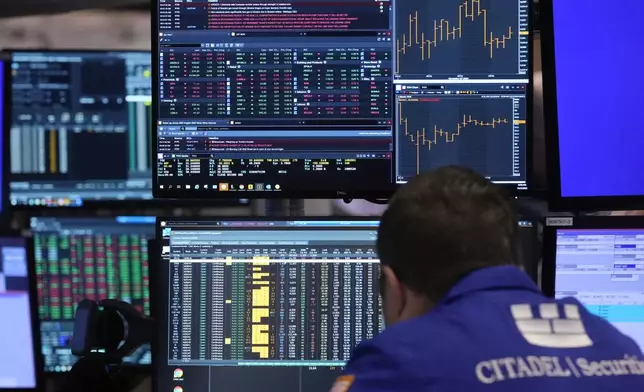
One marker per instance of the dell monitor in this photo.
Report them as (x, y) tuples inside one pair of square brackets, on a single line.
[(88, 258), (599, 261), (20, 359), (338, 99), (262, 304), (594, 147)]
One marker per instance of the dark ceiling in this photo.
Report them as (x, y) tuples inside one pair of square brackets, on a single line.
[(142, 7)]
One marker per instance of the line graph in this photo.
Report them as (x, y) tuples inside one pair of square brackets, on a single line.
[(466, 38), (468, 131)]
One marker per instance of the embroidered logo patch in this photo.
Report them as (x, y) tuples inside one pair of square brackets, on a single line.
[(551, 325), (342, 384)]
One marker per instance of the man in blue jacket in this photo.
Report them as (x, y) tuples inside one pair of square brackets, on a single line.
[(462, 316)]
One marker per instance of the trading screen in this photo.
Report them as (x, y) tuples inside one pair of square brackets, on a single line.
[(68, 125), (603, 269), (274, 97), (93, 258), (461, 80), (275, 305), (334, 98), (17, 359)]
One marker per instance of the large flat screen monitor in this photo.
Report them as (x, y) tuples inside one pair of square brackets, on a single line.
[(337, 99), (271, 304), (599, 261), (594, 147), (20, 360), (79, 128), (94, 258), (262, 304)]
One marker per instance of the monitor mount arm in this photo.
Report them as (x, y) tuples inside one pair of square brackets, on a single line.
[(348, 200), (104, 333)]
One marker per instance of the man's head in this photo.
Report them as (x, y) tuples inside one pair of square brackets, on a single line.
[(438, 228)]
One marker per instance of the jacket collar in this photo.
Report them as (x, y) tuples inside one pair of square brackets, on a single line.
[(492, 278)]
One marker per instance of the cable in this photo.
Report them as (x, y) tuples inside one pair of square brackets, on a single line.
[(378, 201)]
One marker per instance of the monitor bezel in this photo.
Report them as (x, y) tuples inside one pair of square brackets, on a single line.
[(6, 55), (556, 201), (384, 193), (553, 224), (156, 307), (126, 368), (159, 288), (5, 123), (531, 259), (39, 360)]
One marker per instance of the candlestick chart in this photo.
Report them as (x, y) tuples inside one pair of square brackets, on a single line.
[(470, 132), (471, 38)]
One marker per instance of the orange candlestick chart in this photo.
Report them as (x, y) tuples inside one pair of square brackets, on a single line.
[(470, 132), (458, 38)]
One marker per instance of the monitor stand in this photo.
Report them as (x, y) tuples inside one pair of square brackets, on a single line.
[(281, 207)]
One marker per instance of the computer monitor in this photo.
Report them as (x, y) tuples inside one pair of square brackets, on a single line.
[(281, 100), (20, 360), (94, 258), (594, 148), (462, 77), (600, 261), (80, 128), (262, 304)]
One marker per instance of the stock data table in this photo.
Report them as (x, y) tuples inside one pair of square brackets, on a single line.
[(279, 301), (285, 97), (88, 258), (257, 309)]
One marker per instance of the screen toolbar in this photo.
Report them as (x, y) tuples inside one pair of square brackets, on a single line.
[(93, 258), (603, 268), (264, 304), (18, 367), (303, 97)]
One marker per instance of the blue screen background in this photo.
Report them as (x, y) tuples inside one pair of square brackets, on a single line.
[(599, 54)]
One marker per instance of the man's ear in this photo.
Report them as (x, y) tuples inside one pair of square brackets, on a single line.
[(394, 289)]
